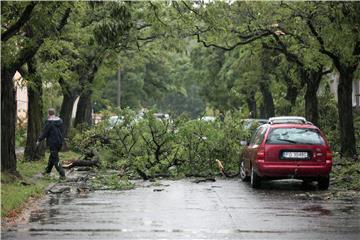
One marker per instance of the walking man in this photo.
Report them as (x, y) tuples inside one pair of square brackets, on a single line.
[(53, 132)]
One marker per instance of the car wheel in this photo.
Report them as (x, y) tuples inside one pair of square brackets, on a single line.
[(306, 182), (244, 177), (255, 179), (324, 183)]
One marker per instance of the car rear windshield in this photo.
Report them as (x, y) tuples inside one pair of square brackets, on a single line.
[(294, 136)]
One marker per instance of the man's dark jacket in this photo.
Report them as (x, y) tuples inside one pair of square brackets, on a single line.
[(53, 132)]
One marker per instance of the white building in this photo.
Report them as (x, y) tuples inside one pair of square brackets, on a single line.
[(21, 98)]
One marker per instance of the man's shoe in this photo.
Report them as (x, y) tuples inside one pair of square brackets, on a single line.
[(62, 178)]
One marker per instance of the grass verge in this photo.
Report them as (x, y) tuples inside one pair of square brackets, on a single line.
[(15, 191)]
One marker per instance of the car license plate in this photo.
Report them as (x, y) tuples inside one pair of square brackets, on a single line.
[(295, 155)]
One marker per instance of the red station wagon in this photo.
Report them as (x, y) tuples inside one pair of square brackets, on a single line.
[(287, 147)]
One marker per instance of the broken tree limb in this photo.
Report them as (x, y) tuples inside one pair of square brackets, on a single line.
[(221, 167), (208, 179), (82, 163), (222, 170)]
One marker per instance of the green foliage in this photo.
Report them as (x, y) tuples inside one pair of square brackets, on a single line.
[(20, 136), (111, 182), (84, 138), (198, 141), (328, 123), (346, 174), (114, 23), (149, 147), (149, 78), (68, 155), (123, 139)]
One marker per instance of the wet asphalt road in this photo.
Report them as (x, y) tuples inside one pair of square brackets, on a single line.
[(225, 209)]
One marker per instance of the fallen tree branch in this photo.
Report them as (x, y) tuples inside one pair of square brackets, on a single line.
[(82, 163), (222, 170)]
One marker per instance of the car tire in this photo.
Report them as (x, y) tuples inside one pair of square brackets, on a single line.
[(324, 183), (306, 182), (255, 179), (243, 176)]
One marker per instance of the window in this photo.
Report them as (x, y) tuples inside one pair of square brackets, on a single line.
[(258, 136), (295, 136)]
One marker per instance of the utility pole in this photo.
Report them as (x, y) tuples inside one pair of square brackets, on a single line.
[(119, 88), (118, 99)]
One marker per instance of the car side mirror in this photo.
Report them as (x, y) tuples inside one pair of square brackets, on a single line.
[(243, 143)]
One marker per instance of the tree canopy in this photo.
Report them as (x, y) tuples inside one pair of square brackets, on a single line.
[(195, 58)]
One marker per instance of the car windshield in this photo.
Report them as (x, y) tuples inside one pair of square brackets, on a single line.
[(294, 136)]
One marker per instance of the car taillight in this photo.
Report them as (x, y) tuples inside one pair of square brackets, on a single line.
[(260, 155), (329, 156)]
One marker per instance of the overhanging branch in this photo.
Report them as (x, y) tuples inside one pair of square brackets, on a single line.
[(320, 40), (245, 39), (24, 18), (154, 8)]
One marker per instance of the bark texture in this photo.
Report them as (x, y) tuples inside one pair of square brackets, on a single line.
[(312, 80), (35, 114), (84, 107), (70, 94), (268, 101), (251, 103), (8, 120), (345, 111)]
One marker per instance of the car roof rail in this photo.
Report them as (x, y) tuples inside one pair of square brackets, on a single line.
[(288, 119)]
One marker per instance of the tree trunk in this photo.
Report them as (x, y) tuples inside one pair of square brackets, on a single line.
[(8, 120), (69, 97), (292, 92), (35, 114), (119, 88), (84, 109), (66, 111), (262, 111), (312, 81), (265, 84), (345, 110), (291, 95), (251, 102), (268, 102)]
